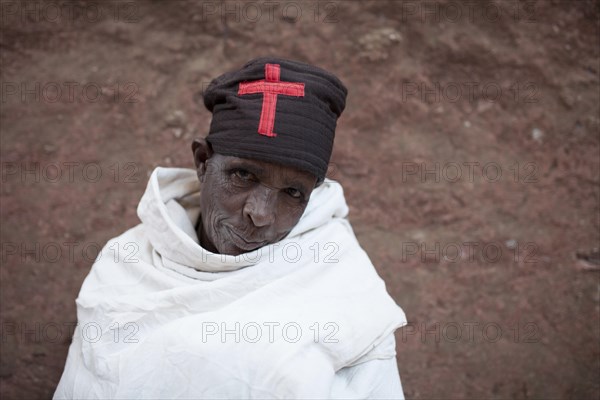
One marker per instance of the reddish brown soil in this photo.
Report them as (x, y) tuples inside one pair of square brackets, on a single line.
[(531, 270)]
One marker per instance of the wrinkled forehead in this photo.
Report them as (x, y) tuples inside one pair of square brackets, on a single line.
[(268, 172)]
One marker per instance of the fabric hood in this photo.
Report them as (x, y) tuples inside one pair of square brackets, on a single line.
[(170, 208)]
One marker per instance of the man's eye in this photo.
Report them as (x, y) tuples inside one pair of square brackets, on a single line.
[(242, 174), (295, 193)]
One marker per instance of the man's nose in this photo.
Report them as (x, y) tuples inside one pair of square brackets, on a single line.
[(260, 206)]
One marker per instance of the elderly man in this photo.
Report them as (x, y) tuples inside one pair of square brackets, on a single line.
[(244, 279)]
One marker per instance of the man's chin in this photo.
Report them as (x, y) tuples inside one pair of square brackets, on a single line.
[(231, 249), (239, 244)]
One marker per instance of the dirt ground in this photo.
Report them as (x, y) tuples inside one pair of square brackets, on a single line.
[(469, 153)]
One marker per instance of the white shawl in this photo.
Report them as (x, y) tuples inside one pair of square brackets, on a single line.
[(160, 317)]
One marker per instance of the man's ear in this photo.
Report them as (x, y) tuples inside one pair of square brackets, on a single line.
[(202, 152)]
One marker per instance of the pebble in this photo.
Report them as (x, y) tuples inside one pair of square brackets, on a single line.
[(484, 106), (537, 134), (175, 119), (49, 148), (395, 37)]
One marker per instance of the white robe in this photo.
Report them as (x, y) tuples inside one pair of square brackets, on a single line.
[(160, 317)]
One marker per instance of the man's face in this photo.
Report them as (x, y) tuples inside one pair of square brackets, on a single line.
[(246, 204)]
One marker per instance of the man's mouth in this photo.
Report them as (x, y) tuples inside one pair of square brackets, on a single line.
[(242, 243)]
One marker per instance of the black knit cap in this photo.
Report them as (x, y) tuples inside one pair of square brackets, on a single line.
[(276, 110)]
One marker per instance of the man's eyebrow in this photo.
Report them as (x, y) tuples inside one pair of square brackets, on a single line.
[(254, 169)]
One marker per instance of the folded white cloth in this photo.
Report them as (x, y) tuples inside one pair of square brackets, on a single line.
[(161, 317)]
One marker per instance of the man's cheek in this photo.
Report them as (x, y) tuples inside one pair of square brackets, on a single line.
[(288, 221), (232, 204), (224, 187), (295, 212)]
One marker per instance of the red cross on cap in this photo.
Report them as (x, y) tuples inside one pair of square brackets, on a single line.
[(270, 87)]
